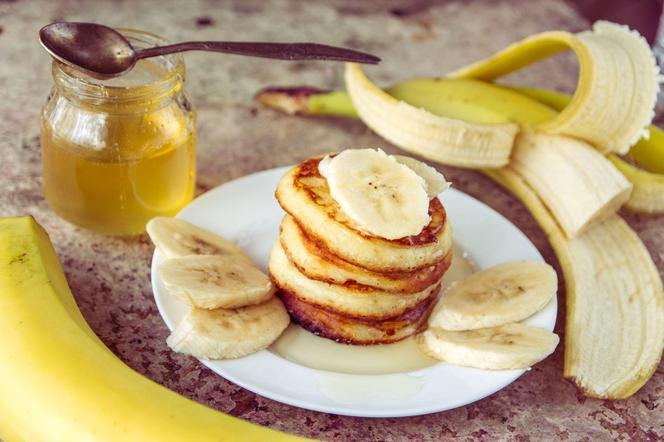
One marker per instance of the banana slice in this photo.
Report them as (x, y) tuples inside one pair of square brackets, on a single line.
[(499, 295), (507, 347), (435, 181), (226, 334), (381, 196), (176, 237), (215, 281), (324, 165)]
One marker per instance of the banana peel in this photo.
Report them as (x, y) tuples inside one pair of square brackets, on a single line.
[(58, 382), (614, 63), (647, 188), (436, 137)]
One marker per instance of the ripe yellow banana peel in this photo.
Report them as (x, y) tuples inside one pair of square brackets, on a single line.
[(58, 382), (617, 88), (436, 137), (615, 299)]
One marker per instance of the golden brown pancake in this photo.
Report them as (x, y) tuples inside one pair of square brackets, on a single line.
[(354, 300), (316, 261), (304, 194), (358, 331)]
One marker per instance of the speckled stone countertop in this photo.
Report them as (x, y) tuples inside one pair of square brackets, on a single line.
[(110, 276)]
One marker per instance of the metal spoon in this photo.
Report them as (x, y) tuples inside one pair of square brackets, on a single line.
[(102, 51)]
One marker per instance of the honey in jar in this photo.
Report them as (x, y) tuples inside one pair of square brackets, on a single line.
[(118, 152)]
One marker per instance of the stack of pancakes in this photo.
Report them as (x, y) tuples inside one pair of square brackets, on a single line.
[(341, 283)]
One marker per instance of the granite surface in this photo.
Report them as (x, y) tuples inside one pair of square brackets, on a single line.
[(110, 276)]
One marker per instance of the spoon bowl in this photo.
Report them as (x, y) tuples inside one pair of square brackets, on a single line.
[(103, 52), (95, 49)]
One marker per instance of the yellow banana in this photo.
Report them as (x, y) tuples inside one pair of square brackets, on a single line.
[(444, 96), (57, 380), (466, 99), (307, 100)]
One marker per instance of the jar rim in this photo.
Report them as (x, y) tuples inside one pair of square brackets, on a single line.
[(89, 88)]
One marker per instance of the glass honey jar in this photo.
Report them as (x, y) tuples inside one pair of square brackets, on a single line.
[(118, 152)]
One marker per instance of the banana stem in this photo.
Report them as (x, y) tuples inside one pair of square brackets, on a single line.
[(307, 101), (334, 103)]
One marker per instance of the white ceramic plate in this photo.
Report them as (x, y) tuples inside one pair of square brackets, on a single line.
[(246, 211)]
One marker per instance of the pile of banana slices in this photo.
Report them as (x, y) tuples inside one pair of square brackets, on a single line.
[(233, 308), (475, 323), (573, 162)]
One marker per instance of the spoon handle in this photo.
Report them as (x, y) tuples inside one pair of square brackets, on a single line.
[(281, 51)]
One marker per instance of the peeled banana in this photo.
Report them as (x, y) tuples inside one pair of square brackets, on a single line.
[(578, 185), (615, 300), (57, 380), (506, 347), (478, 102), (496, 296)]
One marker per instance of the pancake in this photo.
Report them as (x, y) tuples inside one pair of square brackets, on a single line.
[(304, 194), (340, 328), (353, 300), (317, 262)]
